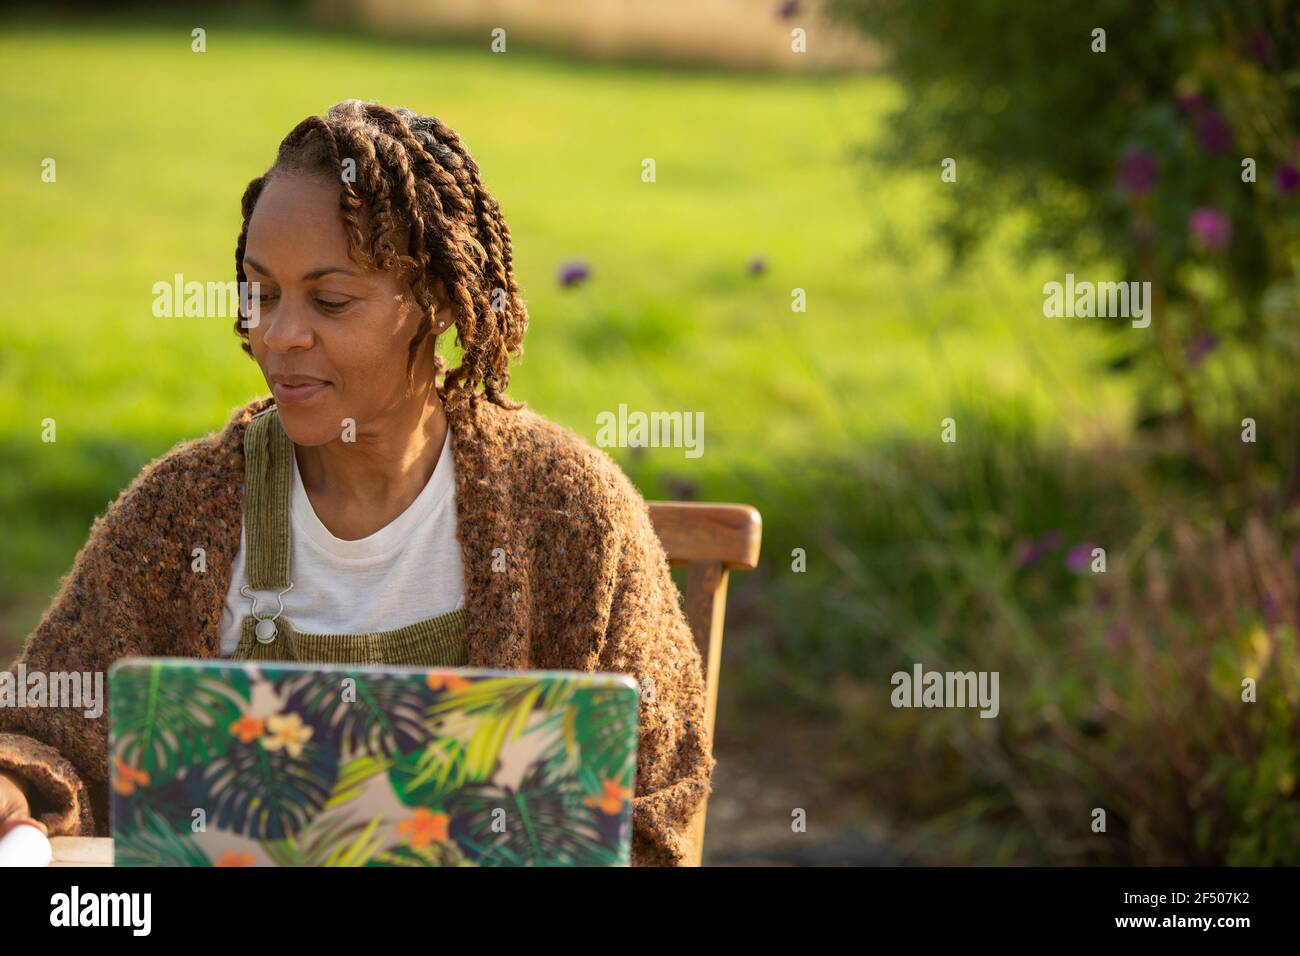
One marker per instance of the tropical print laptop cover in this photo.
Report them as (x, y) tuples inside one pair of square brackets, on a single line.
[(217, 763)]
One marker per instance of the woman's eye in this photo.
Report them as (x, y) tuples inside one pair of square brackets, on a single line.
[(330, 305), (266, 296)]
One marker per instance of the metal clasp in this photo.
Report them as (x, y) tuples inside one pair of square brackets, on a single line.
[(266, 631)]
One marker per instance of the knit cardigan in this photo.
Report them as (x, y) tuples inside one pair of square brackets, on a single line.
[(586, 587)]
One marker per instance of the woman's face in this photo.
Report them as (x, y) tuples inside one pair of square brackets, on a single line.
[(332, 336)]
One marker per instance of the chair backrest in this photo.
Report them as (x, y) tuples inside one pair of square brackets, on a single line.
[(710, 540)]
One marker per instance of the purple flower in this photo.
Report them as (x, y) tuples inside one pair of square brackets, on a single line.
[(1078, 557), (757, 266), (1287, 179), (1295, 556), (1190, 104), (1027, 554), (1031, 552), (1260, 47), (786, 9), (1116, 636), (1137, 172), (574, 273), (1268, 604), (680, 489), (1201, 345), (1210, 227), (1213, 130)]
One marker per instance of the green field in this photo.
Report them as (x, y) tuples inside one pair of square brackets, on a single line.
[(154, 145)]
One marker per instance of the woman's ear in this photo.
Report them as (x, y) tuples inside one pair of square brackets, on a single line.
[(444, 315)]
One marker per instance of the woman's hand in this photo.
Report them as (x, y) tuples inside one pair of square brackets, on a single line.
[(14, 806)]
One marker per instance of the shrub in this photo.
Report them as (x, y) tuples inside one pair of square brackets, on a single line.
[(1136, 156)]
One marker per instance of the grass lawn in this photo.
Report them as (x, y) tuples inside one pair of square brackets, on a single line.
[(154, 145)]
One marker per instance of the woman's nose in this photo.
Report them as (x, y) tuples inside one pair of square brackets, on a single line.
[(287, 326)]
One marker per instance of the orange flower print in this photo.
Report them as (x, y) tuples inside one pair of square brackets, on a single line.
[(287, 731), (440, 680), (128, 777), (248, 729), (424, 826), (231, 858), (611, 800)]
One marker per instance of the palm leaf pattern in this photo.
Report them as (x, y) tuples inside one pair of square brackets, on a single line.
[(386, 717), (441, 854), (353, 775), (174, 800), (424, 778), (448, 767), (601, 726), (167, 720), (269, 794), (330, 840), (547, 823), (155, 842)]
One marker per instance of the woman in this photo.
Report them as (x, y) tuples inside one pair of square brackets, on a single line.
[(377, 507)]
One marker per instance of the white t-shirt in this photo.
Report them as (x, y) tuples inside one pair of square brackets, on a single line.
[(408, 571)]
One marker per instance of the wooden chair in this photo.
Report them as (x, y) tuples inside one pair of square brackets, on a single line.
[(710, 541)]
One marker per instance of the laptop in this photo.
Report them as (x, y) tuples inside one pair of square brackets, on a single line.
[(225, 763)]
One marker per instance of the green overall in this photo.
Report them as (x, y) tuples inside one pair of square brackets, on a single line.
[(268, 468)]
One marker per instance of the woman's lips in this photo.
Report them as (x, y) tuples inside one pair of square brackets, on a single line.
[(289, 394)]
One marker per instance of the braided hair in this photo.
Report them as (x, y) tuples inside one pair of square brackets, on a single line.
[(430, 217)]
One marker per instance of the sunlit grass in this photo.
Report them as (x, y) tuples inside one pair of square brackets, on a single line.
[(154, 145)]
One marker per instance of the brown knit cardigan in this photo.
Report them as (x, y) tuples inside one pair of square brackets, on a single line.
[(586, 587)]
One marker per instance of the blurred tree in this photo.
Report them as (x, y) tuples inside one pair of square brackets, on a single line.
[(1159, 136)]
